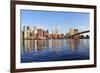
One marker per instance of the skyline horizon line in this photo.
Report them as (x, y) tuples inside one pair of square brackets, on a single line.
[(32, 27)]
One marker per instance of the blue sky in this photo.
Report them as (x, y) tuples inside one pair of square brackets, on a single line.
[(48, 20)]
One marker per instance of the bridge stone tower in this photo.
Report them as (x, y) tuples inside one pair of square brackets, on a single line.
[(72, 32)]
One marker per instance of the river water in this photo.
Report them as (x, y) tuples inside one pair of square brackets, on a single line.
[(54, 50)]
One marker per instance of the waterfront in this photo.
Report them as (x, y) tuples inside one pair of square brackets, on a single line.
[(54, 50)]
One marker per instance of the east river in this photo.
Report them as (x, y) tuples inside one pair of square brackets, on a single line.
[(54, 50)]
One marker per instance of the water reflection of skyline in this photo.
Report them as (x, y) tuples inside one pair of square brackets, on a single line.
[(54, 50), (73, 43), (39, 45)]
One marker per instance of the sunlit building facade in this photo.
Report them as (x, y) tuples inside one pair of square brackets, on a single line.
[(73, 32), (27, 32)]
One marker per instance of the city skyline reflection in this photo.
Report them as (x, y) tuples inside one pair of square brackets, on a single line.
[(54, 50), (56, 44)]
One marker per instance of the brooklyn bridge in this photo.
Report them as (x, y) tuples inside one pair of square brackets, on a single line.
[(77, 34)]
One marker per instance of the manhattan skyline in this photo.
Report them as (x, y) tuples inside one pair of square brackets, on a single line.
[(49, 20)]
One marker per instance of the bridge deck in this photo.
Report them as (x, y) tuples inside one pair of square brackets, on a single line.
[(80, 33)]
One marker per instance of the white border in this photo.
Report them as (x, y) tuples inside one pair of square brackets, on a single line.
[(52, 64)]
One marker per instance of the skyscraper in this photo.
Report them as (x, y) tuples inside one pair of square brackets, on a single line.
[(27, 31)]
